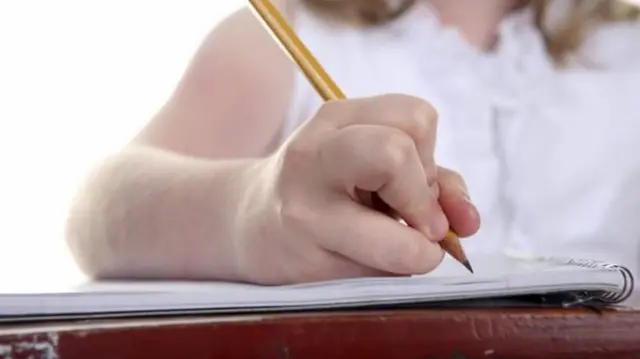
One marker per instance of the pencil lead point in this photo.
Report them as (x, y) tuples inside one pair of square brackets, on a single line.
[(467, 265)]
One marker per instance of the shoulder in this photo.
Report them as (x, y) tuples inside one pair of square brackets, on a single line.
[(614, 46), (242, 41)]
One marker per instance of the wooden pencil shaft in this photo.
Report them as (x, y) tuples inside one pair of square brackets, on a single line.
[(296, 49)]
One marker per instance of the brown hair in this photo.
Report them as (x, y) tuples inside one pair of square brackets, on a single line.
[(560, 41)]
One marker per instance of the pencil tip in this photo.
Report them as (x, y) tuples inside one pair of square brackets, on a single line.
[(467, 265)]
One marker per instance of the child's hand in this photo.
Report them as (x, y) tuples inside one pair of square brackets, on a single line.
[(306, 218)]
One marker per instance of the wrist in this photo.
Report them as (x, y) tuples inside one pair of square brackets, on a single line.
[(253, 220), (225, 193)]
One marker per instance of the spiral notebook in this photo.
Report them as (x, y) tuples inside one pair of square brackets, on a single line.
[(499, 280)]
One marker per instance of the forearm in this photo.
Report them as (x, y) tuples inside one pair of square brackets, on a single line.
[(149, 213)]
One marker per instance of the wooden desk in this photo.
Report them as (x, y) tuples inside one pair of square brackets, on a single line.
[(415, 334)]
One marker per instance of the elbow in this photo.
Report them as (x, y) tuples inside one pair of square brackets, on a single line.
[(84, 247), (92, 230), (85, 243)]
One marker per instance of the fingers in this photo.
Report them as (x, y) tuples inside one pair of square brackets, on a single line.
[(377, 241), (454, 200), (411, 115), (384, 160)]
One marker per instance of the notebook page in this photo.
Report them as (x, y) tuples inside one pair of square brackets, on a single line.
[(180, 296), (494, 277)]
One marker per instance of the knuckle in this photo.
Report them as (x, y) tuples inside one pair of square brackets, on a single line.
[(423, 118), (421, 115), (396, 149)]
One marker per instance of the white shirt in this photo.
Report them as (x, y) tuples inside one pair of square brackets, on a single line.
[(551, 156)]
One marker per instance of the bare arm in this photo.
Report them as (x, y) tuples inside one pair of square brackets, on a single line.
[(163, 206)]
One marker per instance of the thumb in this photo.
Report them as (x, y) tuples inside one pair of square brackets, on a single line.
[(463, 216)]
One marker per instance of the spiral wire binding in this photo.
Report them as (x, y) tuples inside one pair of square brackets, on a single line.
[(610, 297)]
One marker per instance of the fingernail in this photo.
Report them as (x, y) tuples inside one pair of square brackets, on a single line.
[(466, 196)]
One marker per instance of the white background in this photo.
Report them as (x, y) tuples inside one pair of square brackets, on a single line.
[(77, 79)]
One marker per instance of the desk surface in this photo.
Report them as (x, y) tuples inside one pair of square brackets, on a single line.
[(406, 334)]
